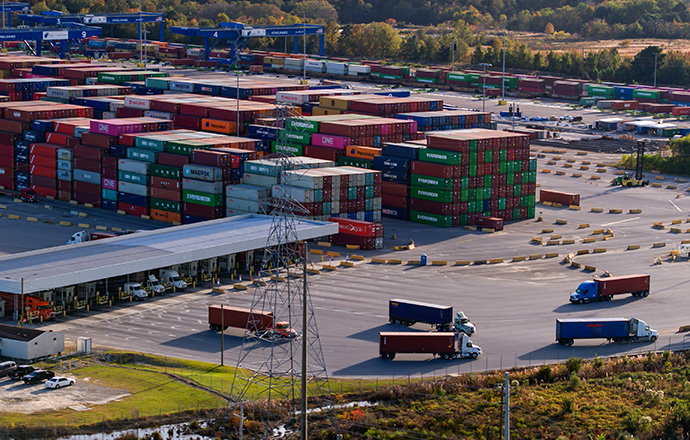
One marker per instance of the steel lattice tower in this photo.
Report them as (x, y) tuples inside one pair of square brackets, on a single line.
[(270, 367)]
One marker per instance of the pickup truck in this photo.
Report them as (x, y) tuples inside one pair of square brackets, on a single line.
[(37, 376)]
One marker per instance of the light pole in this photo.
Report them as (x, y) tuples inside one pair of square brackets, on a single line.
[(503, 79), (484, 65)]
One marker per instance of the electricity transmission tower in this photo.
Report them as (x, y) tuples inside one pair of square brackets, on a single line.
[(278, 371)]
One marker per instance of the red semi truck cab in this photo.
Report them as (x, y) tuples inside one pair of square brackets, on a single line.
[(32, 304)]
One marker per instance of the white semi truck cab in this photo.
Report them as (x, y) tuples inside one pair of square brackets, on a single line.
[(463, 325), (136, 291), (155, 286), (172, 277)]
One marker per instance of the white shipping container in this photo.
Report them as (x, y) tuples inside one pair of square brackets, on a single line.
[(260, 180), (303, 179), (158, 115), (301, 195), (133, 188), (248, 192), (64, 153), (358, 69), (109, 115), (64, 175), (133, 166), (324, 172), (230, 212), (244, 205), (202, 186), (202, 172), (336, 68), (65, 165), (292, 97), (182, 86), (138, 102)]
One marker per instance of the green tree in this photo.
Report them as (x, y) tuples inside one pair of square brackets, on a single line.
[(643, 65)]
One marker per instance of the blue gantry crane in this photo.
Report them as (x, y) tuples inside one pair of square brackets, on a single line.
[(8, 8), (61, 35), (56, 18), (237, 36)]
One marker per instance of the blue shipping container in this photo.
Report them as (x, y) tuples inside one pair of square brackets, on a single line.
[(407, 312), (592, 328), (384, 163)]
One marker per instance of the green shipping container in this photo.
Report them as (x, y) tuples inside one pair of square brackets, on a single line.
[(165, 171), (511, 82), (423, 181), (150, 143), (488, 156), (369, 192), (126, 176), (646, 94), (445, 221), (303, 124), (109, 194), (503, 155), (352, 193), (596, 90), (531, 200), (295, 137), (487, 181), (142, 154), (516, 213), (510, 179), (426, 80), (455, 76), (517, 190), (502, 203), (465, 195), (432, 194), (165, 205), (200, 198), (533, 165), (157, 83), (487, 192), (464, 182), (585, 101), (440, 156), (297, 150), (530, 212), (185, 147)]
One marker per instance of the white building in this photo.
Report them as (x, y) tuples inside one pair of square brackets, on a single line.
[(28, 344)]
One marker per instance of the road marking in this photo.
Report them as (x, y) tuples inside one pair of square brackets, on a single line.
[(676, 206), (621, 221)]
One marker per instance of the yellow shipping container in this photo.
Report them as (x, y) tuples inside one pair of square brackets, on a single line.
[(336, 102), (320, 111)]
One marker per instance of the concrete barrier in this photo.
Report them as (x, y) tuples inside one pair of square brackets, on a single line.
[(551, 255), (597, 232), (547, 203), (560, 173), (488, 230), (658, 245), (88, 205), (378, 261), (584, 167), (356, 257), (589, 240), (414, 262), (353, 247), (615, 211), (590, 268), (671, 186), (574, 207), (324, 243), (685, 242), (496, 261), (635, 211), (586, 162), (83, 214), (32, 219), (595, 178), (121, 212), (347, 264), (3, 206), (577, 175), (238, 286), (553, 242), (599, 250), (581, 153), (329, 267), (333, 254), (561, 222), (545, 171), (316, 251), (536, 240), (567, 165), (535, 257), (439, 263), (570, 160), (583, 252), (479, 262), (596, 210), (676, 231), (601, 165), (656, 185), (393, 261), (551, 162), (101, 228), (547, 230), (575, 265), (583, 226), (64, 223), (658, 225), (601, 170), (462, 262), (633, 247), (313, 271), (84, 225), (522, 258), (659, 178), (114, 229), (568, 241), (13, 217), (556, 158), (556, 205), (556, 237), (73, 202), (676, 222)]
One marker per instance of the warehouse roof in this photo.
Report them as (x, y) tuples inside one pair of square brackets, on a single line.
[(85, 262), (19, 333)]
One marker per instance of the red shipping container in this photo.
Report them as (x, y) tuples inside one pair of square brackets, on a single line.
[(93, 189), (186, 121), (44, 192), (161, 182), (200, 110), (6, 161), (42, 171), (98, 140), (47, 150), (89, 152), (6, 173), (215, 158), (490, 222), (11, 126), (202, 211), (132, 209), (109, 172), (64, 185), (432, 207), (354, 227), (93, 165), (22, 167), (165, 194), (7, 182), (42, 161), (680, 111), (124, 112), (434, 169), (563, 198), (58, 138), (324, 153), (42, 181)]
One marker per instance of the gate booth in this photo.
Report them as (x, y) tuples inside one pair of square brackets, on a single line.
[(208, 268)]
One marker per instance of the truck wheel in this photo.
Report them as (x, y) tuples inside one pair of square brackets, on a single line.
[(608, 298), (581, 301), (653, 338), (446, 356), (645, 294), (212, 327), (474, 355), (454, 356), (571, 341)]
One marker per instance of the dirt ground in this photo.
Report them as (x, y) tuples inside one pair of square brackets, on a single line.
[(18, 397)]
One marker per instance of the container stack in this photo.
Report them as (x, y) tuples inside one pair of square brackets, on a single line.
[(243, 199), (447, 119), (43, 168), (6, 162), (87, 173), (378, 105), (394, 164), (202, 193), (566, 90), (531, 87)]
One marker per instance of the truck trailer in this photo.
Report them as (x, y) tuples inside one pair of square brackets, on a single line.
[(259, 323), (408, 312), (445, 344), (611, 329), (602, 289)]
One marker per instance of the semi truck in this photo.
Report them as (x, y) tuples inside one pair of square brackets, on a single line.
[(25, 194), (171, 277), (408, 312), (136, 291), (260, 323), (84, 236), (447, 345), (32, 304), (155, 286), (602, 289), (611, 329)]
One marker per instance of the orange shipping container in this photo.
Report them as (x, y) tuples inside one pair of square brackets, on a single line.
[(217, 126), (166, 216), (362, 152)]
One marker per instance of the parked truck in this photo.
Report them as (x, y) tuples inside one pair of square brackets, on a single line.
[(602, 289), (171, 277), (136, 291), (259, 323), (25, 194), (32, 304), (448, 345), (611, 329), (155, 286), (408, 312), (84, 236)]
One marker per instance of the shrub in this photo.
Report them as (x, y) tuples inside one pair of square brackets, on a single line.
[(573, 382), (598, 362), (568, 405), (573, 364), (545, 374)]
